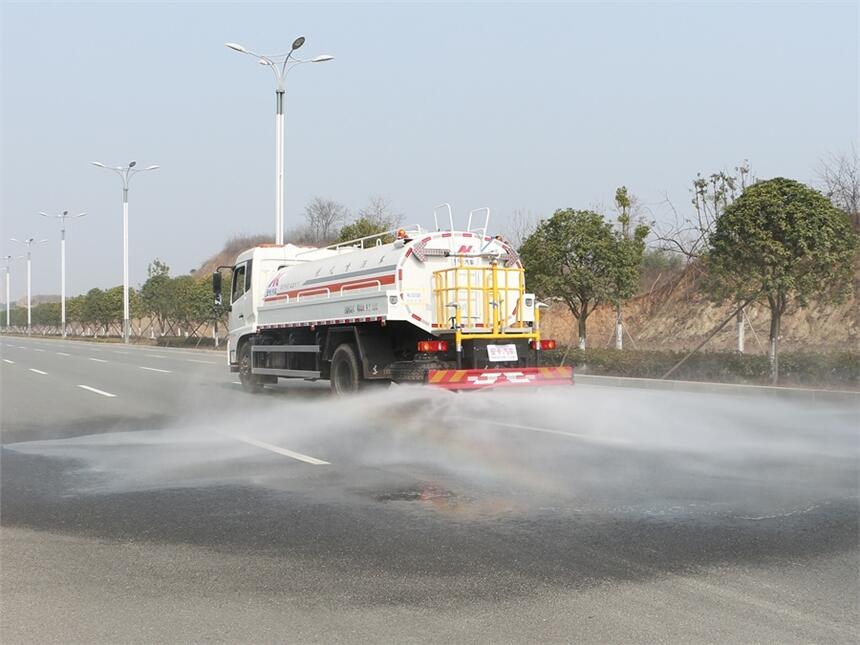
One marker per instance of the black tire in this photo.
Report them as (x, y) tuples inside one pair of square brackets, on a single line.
[(413, 371), (250, 382), (345, 376)]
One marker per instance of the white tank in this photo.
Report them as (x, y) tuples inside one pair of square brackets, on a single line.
[(391, 281)]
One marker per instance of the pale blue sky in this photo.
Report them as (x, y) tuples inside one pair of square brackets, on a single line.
[(512, 106)]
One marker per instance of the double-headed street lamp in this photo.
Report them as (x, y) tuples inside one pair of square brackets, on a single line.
[(30, 242), (62, 217), (125, 173), (280, 65)]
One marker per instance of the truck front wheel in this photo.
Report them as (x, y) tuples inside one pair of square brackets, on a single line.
[(345, 370), (250, 382)]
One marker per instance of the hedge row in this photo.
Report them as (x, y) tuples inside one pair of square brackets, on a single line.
[(834, 369), (183, 341)]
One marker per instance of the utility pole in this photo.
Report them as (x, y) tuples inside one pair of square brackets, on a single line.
[(740, 324), (29, 243), (280, 64), (62, 218), (125, 173)]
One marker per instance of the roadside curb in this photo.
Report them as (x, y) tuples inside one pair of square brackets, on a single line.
[(841, 396), (116, 345)]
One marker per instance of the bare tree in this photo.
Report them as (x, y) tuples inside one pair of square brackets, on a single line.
[(381, 213), (520, 225), (710, 197), (690, 237), (324, 217), (838, 177)]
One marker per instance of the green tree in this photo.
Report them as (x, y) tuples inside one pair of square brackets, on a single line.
[(577, 257), (74, 308), (91, 311), (156, 294), (47, 313), (192, 301), (780, 241), (18, 316), (377, 216), (363, 227), (112, 309)]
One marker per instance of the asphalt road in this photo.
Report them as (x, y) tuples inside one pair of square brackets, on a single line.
[(146, 498)]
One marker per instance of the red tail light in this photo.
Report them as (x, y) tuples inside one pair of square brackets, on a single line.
[(432, 346), (544, 344)]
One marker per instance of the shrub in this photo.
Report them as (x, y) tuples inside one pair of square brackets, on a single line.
[(182, 341), (841, 369)]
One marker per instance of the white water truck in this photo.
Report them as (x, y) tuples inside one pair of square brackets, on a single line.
[(446, 308)]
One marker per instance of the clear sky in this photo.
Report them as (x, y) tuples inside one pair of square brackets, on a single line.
[(513, 106)]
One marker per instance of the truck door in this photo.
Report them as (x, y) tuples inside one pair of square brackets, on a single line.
[(242, 315)]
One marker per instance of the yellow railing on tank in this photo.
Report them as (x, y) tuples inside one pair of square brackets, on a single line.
[(482, 301)]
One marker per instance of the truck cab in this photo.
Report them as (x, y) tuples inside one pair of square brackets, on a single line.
[(252, 272)]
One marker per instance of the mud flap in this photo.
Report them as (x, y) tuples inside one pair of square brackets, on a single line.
[(500, 377)]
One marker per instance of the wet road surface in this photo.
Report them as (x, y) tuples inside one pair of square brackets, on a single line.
[(146, 498)]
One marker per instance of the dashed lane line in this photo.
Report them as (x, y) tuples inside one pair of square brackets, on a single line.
[(63, 354), (155, 369), (97, 391), (33, 369), (98, 360), (281, 451), (6, 360), (191, 360), (37, 349)]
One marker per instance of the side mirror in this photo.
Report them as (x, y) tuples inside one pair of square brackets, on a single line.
[(216, 287)]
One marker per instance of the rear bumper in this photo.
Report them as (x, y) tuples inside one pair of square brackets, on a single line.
[(480, 379)]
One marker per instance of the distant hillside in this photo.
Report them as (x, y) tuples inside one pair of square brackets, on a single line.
[(38, 299), (674, 314), (227, 255)]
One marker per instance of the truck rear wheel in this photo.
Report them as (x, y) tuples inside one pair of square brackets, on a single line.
[(345, 370), (250, 382)]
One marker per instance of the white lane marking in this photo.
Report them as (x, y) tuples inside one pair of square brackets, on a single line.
[(98, 360), (517, 426), (237, 382), (155, 369), (92, 389), (6, 360), (36, 349), (33, 369), (63, 354), (281, 451), (21, 346), (191, 360)]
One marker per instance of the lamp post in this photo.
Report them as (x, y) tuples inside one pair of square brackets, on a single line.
[(7, 259), (29, 243), (125, 173), (62, 217), (280, 64)]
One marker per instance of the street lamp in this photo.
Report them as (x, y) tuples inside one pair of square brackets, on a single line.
[(29, 243), (62, 217), (8, 259), (125, 173), (280, 65)]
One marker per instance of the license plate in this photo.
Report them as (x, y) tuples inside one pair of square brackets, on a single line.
[(500, 353)]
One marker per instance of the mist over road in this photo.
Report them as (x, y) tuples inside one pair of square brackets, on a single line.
[(146, 498)]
